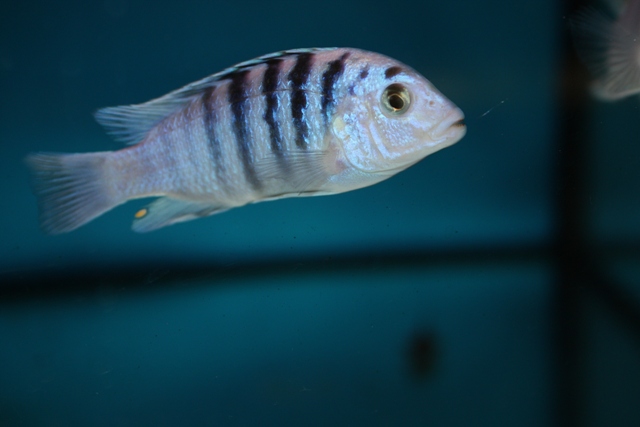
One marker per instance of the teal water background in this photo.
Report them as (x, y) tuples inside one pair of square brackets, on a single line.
[(424, 300)]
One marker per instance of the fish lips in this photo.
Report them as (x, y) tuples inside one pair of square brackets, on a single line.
[(452, 128)]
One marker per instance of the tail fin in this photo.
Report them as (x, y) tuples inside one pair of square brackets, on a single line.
[(72, 189)]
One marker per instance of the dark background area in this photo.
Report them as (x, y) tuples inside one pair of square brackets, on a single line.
[(494, 283)]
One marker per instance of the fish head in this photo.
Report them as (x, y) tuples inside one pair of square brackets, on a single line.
[(394, 118)]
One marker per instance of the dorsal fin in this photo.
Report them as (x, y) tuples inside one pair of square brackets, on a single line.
[(131, 123)]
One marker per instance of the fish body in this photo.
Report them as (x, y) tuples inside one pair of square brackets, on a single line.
[(611, 48), (301, 122)]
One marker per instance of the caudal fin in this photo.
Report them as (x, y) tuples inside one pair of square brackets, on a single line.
[(72, 189)]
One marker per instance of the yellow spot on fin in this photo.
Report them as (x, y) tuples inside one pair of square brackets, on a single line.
[(141, 213)]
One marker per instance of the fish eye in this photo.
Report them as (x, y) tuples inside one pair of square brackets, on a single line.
[(396, 99)]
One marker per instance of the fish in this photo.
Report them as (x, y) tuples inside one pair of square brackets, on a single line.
[(301, 122), (610, 47)]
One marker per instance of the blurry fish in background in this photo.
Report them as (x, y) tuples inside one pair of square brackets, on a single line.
[(423, 352), (611, 48), (616, 5), (303, 122)]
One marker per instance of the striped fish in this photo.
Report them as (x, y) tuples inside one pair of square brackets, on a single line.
[(302, 122)]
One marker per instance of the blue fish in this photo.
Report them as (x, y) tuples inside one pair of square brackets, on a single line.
[(303, 122)]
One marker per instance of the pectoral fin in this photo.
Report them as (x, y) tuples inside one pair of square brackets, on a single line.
[(295, 171)]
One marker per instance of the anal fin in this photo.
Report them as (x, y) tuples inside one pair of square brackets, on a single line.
[(166, 211)]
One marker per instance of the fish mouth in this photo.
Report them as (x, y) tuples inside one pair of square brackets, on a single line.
[(452, 127), (459, 123)]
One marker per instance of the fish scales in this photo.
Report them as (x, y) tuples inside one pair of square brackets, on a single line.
[(242, 107), (292, 123), (243, 124)]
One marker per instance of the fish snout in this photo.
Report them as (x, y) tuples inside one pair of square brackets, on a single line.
[(451, 127)]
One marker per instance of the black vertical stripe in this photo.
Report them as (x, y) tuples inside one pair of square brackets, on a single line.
[(237, 96), (392, 71), (298, 77), (329, 79), (269, 86), (213, 143)]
